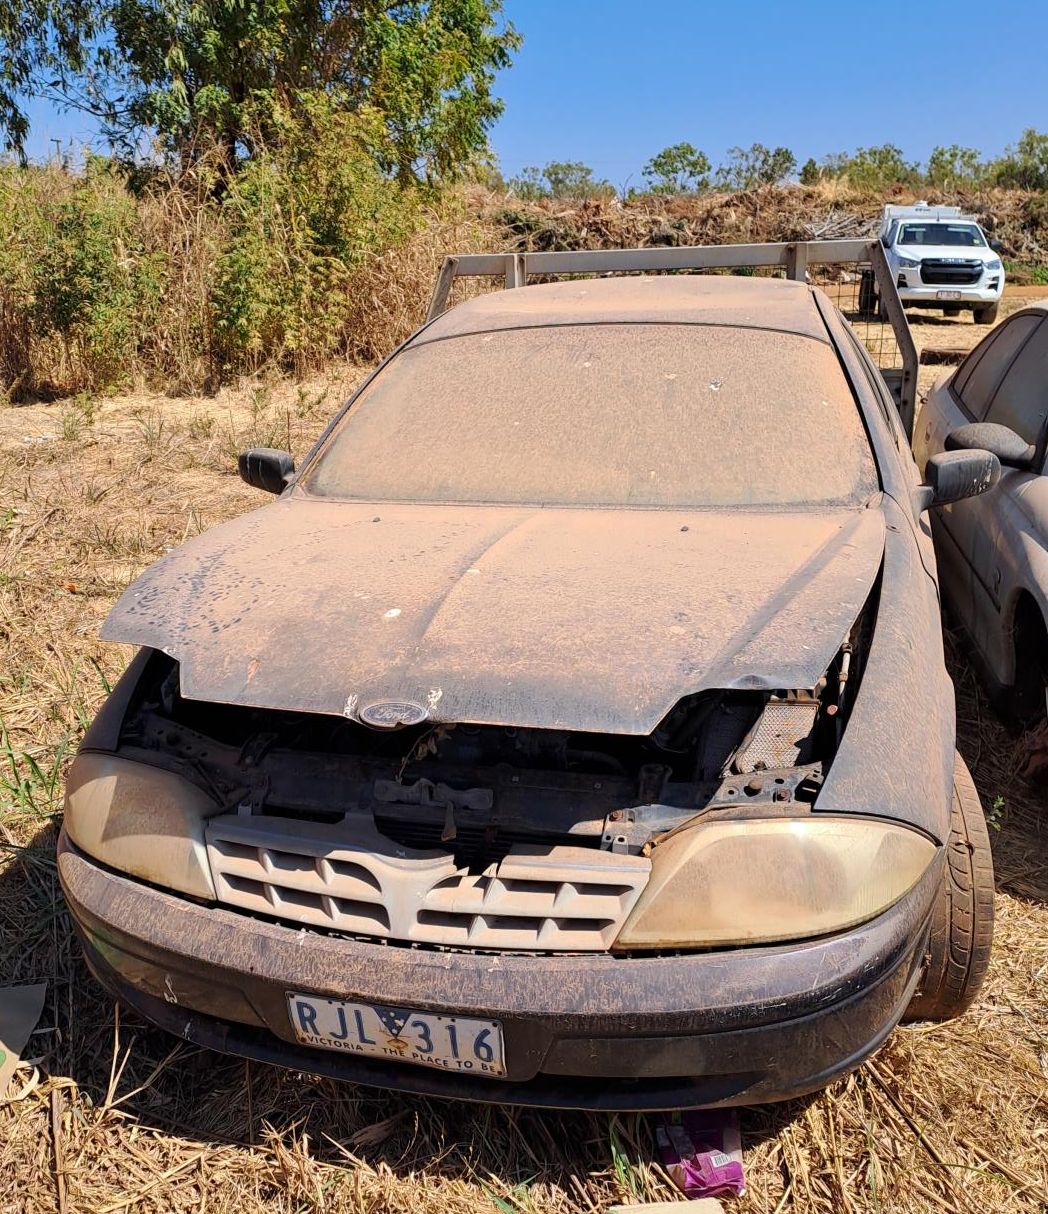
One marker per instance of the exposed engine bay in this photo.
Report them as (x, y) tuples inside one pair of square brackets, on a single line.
[(474, 791)]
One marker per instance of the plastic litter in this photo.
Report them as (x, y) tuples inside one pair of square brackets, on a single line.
[(20, 1008), (703, 1205), (702, 1152)]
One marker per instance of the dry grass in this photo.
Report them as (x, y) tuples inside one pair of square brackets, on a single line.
[(112, 1115), (391, 291)]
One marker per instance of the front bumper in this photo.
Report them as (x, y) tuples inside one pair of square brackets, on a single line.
[(929, 296), (740, 1026)]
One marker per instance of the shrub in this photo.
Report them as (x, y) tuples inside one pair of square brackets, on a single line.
[(73, 269), (679, 169), (955, 166), (1026, 164), (880, 168), (566, 180), (747, 168), (95, 286), (300, 220), (188, 280)]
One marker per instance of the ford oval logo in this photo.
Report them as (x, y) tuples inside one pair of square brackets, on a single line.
[(392, 714)]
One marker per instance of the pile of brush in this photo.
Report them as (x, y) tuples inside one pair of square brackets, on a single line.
[(828, 211)]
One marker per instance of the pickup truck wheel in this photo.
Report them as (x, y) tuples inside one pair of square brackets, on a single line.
[(985, 316), (867, 293), (962, 921), (953, 311)]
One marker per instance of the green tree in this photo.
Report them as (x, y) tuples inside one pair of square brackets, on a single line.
[(880, 167), (567, 180), (231, 73), (810, 174), (38, 38), (954, 166), (747, 168), (1024, 165), (678, 169), (529, 184), (834, 165)]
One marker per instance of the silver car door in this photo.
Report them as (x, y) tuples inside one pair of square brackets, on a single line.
[(1010, 530), (963, 398)]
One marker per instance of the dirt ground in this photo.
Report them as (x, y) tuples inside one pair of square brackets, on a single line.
[(109, 1115)]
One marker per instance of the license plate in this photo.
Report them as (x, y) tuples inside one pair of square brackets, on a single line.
[(947, 295), (448, 1043)]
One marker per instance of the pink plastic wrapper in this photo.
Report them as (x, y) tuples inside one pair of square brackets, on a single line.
[(702, 1152)]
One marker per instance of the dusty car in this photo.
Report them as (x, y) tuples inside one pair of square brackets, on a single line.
[(572, 730), (993, 553)]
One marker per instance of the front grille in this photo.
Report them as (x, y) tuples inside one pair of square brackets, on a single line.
[(535, 898), (938, 271), (474, 847)]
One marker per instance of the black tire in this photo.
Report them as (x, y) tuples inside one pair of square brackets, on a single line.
[(962, 921), (954, 311), (985, 316), (867, 293)]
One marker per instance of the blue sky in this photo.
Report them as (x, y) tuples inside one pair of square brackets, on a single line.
[(610, 82)]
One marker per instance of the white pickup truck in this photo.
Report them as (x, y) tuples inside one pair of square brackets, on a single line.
[(941, 258)]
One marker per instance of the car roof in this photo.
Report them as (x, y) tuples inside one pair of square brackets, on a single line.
[(1036, 306), (701, 299)]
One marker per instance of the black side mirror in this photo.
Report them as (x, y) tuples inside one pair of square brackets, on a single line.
[(266, 468), (951, 476), (1010, 449), (996, 246)]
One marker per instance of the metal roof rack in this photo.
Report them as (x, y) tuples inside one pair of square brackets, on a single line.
[(896, 360)]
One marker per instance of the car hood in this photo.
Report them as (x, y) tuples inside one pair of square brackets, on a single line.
[(597, 620), (918, 252)]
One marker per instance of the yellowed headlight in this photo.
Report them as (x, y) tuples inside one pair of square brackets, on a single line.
[(140, 820), (768, 879)]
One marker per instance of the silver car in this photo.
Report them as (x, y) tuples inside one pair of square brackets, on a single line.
[(573, 730), (993, 551)]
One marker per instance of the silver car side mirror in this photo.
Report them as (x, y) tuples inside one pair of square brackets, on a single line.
[(951, 476), (1010, 448)]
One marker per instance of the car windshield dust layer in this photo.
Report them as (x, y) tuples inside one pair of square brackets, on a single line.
[(605, 415)]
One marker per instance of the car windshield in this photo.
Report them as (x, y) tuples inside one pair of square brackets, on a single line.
[(604, 415), (964, 235)]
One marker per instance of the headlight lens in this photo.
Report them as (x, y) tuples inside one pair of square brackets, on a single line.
[(908, 263), (140, 820), (994, 263), (768, 879)]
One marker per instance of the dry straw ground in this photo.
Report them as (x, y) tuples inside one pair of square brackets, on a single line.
[(111, 1115)]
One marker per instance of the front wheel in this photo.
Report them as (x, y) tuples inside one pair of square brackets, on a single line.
[(962, 921), (985, 316)]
